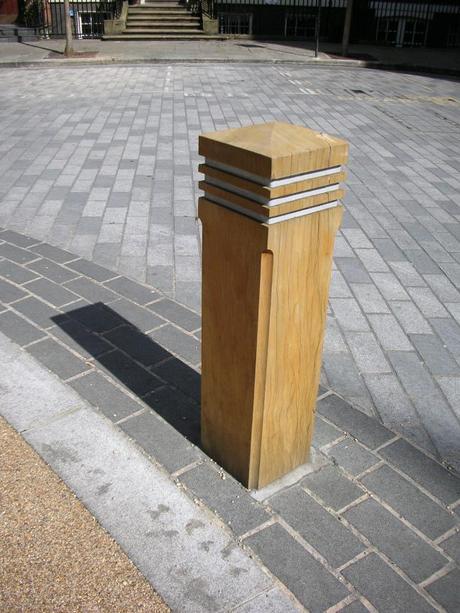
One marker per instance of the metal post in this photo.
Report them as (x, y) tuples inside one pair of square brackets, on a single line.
[(317, 27), (347, 27)]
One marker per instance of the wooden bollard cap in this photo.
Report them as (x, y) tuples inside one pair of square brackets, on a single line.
[(274, 171)]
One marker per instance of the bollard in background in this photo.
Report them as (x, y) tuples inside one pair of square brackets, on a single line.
[(270, 215)]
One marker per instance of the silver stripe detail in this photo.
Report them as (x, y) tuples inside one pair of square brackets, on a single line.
[(325, 172), (274, 201), (271, 220)]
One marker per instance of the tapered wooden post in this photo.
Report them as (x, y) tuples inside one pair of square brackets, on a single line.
[(270, 215)]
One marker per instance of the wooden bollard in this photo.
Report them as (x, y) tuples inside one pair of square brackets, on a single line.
[(270, 215)]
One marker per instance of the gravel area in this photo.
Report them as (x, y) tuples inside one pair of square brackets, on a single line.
[(54, 555)]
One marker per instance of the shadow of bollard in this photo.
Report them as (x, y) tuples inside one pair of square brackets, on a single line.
[(164, 383)]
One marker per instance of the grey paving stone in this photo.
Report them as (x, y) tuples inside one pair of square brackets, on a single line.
[(177, 314), (77, 337), (445, 591), (226, 497), (16, 254), (308, 580), (53, 253), (333, 487), (369, 298), (410, 318), (137, 345), (389, 286), (132, 290), (367, 353), (389, 333), (317, 526), (387, 591), (400, 544), (429, 474), (324, 433), (350, 456), (97, 318), (37, 311), (91, 291), (57, 359), (449, 331), (161, 441), (427, 302), (437, 359), (17, 274), (18, 329), (51, 292), (51, 270), (349, 314), (367, 430), (353, 270), (181, 376), (17, 239), (178, 342), (126, 371), (89, 269), (388, 250), (105, 396), (452, 547), (272, 601), (136, 315), (409, 502), (9, 292), (180, 411)]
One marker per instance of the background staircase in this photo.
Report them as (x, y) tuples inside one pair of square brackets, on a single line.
[(161, 20)]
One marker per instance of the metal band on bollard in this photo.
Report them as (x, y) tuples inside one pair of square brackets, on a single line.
[(270, 214)]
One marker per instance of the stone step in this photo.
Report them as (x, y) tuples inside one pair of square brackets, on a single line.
[(166, 17), (155, 12), (164, 31), (200, 36), (161, 26)]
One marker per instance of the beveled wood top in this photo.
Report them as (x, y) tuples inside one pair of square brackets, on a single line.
[(274, 150)]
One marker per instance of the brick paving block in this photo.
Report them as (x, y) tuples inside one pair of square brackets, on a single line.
[(389, 286), (427, 302), (324, 433), (449, 331), (333, 487), (443, 288), (53, 253), (57, 359), (17, 274), (410, 318), (452, 547), (78, 338), (367, 430), (178, 410), (16, 254), (367, 353), (185, 318), (353, 270), (136, 315), (178, 374), (446, 591), (409, 501), (161, 441), (226, 497), (400, 544), (89, 269), (437, 359), (97, 317), (105, 396), (51, 292), (138, 346), (132, 290), (372, 260), (37, 311), (385, 589), (18, 329), (389, 250), (127, 372), (350, 456), (422, 262), (429, 474), (407, 274), (178, 342), (389, 333), (91, 291), (310, 582), (369, 298), (17, 239), (338, 287), (9, 292), (349, 314), (355, 607), (51, 270), (336, 543)]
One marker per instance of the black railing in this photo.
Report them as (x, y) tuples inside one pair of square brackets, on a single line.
[(87, 17)]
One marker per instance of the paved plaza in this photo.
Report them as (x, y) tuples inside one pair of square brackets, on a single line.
[(100, 332), (102, 162)]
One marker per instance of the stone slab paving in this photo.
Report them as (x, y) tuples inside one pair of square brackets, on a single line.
[(372, 524), (102, 161)]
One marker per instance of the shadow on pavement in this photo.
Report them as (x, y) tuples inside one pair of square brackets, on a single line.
[(167, 385)]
